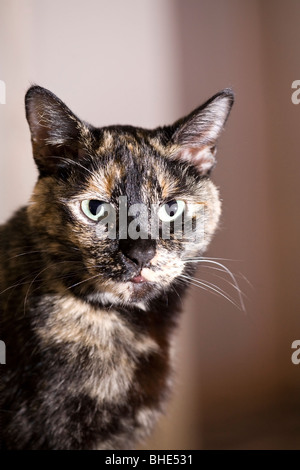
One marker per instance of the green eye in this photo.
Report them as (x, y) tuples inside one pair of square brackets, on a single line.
[(171, 210), (93, 208)]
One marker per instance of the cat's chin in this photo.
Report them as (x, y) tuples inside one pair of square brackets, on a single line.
[(135, 292), (141, 290)]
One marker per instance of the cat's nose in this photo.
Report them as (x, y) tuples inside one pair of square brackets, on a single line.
[(139, 251)]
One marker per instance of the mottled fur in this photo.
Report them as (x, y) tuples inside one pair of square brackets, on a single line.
[(88, 351)]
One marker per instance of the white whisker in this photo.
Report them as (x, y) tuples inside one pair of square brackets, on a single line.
[(211, 287), (85, 280), (235, 287), (36, 277), (223, 268)]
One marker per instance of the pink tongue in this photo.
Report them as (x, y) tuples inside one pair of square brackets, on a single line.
[(138, 279)]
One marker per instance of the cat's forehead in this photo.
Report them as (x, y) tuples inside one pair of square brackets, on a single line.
[(131, 142), (132, 162)]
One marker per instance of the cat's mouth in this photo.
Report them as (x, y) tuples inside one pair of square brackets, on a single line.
[(141, 285), (146, 275), (139, 279)]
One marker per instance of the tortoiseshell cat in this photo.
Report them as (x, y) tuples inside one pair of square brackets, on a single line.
[(87, 320)]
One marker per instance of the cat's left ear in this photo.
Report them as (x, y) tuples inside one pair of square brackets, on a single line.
[(55, 130), (195, 136)]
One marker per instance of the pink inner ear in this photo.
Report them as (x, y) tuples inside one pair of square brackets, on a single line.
[(202, 158)]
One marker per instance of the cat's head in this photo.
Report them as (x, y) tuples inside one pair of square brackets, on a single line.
[(149, 184)]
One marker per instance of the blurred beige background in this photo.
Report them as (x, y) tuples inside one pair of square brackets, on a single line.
[(147, 63)]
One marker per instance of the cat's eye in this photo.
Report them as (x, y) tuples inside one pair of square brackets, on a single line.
[(93, 208), (171, 210)]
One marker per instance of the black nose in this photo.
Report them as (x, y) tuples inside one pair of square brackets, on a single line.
[(139, 251)]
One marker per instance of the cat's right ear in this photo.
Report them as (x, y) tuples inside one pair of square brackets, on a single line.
[(54, 130), (196, 135)]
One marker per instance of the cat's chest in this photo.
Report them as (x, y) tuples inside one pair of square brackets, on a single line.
[(101, 348)]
